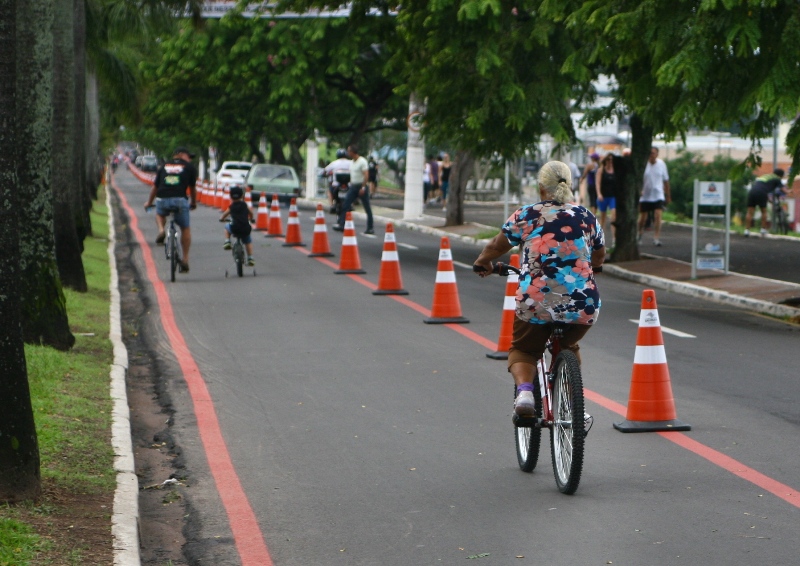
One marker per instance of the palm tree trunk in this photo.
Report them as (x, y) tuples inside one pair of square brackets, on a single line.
[(79, 135), (19, 449), (44, 309), (68, 245)]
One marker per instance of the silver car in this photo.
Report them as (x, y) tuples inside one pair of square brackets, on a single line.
[(271, 179)]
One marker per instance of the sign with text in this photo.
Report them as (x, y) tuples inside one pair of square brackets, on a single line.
[(712, 193)]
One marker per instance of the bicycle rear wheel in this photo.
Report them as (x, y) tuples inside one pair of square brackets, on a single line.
[(567, 434), (238, 257), (173, 254), (528, 439)]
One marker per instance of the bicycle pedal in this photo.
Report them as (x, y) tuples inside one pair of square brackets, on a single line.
[(588, 421), (526, 421)]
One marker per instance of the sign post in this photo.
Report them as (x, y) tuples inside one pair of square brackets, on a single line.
[(712, 252)]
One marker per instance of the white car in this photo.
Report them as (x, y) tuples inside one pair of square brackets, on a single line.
[(232, 173)]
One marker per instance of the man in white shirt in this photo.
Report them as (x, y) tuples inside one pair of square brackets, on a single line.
[(359, 188), (338, 172), (655, 194)]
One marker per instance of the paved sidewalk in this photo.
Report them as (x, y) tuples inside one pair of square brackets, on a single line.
[(757, 294)]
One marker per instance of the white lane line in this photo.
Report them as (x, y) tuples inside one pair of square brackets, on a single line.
[(668, 330), (464, 265), (407, 246)]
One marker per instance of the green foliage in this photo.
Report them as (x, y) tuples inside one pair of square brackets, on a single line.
[(18, 543), (688, 166), (490, 75), (238, 80)]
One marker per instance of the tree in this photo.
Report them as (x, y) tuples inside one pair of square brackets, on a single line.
[(238, 80), (19, 451), (65, 189), (491, 77), (43, 306)]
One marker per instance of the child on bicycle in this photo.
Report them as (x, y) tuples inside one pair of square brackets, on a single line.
[(241, 216)]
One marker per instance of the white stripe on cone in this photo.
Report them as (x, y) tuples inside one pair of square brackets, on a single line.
[(650, 355)]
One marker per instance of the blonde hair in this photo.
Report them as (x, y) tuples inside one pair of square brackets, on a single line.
[(555, 182)]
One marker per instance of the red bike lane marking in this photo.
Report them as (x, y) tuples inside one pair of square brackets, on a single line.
[(244, 526), (717, 458)]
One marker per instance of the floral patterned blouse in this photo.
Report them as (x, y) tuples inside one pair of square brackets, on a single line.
[(557, 282)]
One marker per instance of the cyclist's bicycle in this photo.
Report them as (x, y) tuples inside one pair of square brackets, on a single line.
[(559, 407), (172, 246), (780, 218), (238, 255)]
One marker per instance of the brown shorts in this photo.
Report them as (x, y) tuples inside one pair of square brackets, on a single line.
[(529, 341)]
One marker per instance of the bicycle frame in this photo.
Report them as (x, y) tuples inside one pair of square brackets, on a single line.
[(545, 373)]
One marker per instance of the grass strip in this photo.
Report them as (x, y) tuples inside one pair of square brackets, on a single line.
[(72, 410)]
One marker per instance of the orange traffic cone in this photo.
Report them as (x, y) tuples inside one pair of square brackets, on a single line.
[(217, 202), (320, 247), (350, 262), (651, 406), (248, 198), (262, 219), (226, 198), (446, 306), (200, 186), (275, 226), (293, 237), (389, 280), (509, 313)]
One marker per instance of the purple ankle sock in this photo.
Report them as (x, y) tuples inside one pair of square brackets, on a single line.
[(525, 387)]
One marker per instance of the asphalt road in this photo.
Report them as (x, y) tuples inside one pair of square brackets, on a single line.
[(362, 436)]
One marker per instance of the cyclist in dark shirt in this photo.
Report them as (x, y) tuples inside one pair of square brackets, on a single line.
[(240, 215), (758, 197), (173, 181)]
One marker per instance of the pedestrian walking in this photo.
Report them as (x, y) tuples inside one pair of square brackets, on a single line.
[(655, 195)]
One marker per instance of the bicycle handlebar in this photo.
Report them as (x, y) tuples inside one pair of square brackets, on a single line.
[(504, 269)]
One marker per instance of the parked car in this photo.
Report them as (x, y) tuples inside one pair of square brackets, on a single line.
[(232, 173), (271, 179), (149, 163)]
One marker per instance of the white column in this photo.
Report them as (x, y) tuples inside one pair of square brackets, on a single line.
[(312, 158), (413, 205), (201, 168)]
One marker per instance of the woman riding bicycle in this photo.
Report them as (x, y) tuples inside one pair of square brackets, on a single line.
[(561, 243)]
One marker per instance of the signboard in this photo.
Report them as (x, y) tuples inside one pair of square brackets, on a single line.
[(710, 263), (712, 193)]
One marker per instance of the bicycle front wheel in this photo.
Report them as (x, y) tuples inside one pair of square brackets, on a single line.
[(567, 433), (528, 439)]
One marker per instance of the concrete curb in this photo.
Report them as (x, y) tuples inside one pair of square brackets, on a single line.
[(125, 517), (723, 297)]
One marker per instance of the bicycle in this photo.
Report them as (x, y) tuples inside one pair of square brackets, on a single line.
[(238, 252), (780, 219), (172, 248), (558, 409)]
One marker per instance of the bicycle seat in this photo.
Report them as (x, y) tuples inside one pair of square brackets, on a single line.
[(173, 210)]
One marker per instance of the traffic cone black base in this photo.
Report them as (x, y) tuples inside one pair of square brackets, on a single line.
[(498, 355), (389, 292), (454, 320), (651, 426)]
